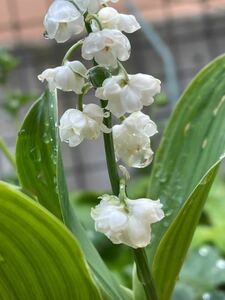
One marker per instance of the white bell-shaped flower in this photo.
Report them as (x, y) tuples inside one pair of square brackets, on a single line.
[(63, 20), (69, 77), (92, 6), (127, 96), (110, 18), (127, 223), (106, 47), (76, 125), (132, 140)]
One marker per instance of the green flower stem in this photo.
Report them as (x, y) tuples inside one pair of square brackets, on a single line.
[(89, 18), (123, 70), (72, 50), (110, 154), (80, 102), (7, 153), (144, 274)]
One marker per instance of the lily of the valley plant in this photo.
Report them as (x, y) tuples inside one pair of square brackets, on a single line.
[(118, 93), (45, 253)]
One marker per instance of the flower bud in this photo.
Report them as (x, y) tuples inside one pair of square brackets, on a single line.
[(97, 76)]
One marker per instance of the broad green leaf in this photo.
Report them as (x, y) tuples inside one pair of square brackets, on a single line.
[(39, 257), (173, 247), (41, 173), (36, 153), (193, 141)]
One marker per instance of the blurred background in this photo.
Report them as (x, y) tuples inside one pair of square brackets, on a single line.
[(177, 39)]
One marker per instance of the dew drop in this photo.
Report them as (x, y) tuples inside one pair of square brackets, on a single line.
[(46, 138), (54, 156), (204, 144), (35, 154), (206, 296), (203, 251), (163, 179), (22, 132), (166, 224), (220, 264), (169, 212), (1, 259), (187, 127)]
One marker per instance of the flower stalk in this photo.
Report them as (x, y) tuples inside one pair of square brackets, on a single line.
[(144, 274), (110, 154), (72, 49), (7, 153), (143, 271), (120, 94)]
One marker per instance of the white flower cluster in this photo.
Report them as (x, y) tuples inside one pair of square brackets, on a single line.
[(124, 95)]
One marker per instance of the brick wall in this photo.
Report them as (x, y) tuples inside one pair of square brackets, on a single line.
[(193, 41)]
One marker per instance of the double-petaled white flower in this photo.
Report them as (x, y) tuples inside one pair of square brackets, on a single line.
[(110, 18), (63, 20), (127, 223), (76, 125), (69, 77), (106, 47), (128, 95), (132, 140)]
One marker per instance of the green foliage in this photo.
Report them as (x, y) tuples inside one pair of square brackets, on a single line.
[(193, 141), (39, 257), (7, 63), (41, 173), (15, 100), (36, 153), (203, 272), (174, 245), (214, 212)]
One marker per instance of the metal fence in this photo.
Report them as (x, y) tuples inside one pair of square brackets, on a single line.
[(192, 31)]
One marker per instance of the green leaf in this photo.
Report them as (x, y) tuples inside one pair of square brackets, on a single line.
[(202, 274), (193, 141), (41, 173), (36, 153), (214, 211), (39, 257), (173, 247)]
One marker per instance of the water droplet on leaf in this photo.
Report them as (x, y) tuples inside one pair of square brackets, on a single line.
[(35, 154), (220, 264), (203, 251), (206, 296)]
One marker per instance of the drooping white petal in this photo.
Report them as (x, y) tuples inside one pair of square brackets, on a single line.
[(75, 126), (69, 77), (130, 95), (63, 20), (111, 19), (106, 46), (128, 23), (139, 122), (132, 140), (128, 223)]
